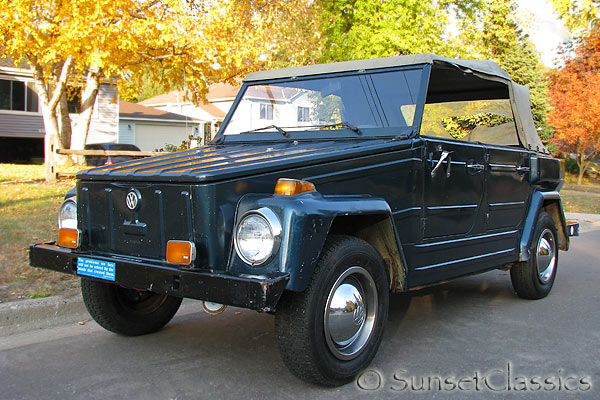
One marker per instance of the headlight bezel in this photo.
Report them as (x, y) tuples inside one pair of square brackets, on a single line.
[(274, 224), (70, 202)]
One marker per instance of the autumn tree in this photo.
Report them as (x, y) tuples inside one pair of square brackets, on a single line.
[(498, 35), (84, 43), (579, 16), (574, 93)]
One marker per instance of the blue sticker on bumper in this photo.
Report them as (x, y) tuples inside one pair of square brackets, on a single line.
[(96, 268)]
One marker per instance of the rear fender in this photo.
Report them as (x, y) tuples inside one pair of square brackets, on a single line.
[(551, 203)]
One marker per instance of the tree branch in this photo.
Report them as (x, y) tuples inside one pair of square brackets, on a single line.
[(61, 84)]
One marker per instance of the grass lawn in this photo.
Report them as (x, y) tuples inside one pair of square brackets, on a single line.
[(588, 203), (28, 213)]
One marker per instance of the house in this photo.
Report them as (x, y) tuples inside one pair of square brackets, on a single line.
[(275, 105), (219, 99), (151, 129), (113, 121), (21, 124)]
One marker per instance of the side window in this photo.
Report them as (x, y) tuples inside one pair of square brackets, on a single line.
[(485, 121), (397, 93)]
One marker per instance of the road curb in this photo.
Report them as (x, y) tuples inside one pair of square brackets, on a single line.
[(27, 315)]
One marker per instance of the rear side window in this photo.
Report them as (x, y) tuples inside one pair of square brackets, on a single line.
[(485, 121)]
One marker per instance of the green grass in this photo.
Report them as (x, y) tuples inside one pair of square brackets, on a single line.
[(28, 213), (39, 295), (24, 173), (18, 172), (581, 203)]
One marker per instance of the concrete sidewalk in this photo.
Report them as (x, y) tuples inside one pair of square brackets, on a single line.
[(67, 307)]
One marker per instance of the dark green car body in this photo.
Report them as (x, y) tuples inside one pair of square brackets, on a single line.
[(435, 207)]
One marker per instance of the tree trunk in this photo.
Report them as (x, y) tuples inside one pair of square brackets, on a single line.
[(64, 132), (582, 167), (50, 141), (49, 107)]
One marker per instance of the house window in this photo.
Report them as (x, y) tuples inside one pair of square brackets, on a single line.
[(303, 114), (17, 96), (266, 111)]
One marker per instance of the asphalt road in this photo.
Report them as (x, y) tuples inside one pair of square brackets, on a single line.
[(469, 338)]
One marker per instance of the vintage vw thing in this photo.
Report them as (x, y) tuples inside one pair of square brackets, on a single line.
[(326, 188)]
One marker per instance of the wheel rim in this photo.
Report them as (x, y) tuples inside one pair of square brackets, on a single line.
[(139, 301), (350, 313), (546, 256)]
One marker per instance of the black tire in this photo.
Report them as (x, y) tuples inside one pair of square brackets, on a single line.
[(127, 311), (533, 279), (306, 333)]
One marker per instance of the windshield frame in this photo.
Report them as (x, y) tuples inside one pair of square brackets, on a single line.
[(342, 132)]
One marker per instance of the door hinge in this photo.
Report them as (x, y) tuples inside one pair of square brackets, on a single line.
[(423, 225)]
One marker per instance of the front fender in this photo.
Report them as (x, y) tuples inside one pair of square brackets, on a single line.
[(306, 220)]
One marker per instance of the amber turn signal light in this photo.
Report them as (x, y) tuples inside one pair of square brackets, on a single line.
[(291, 187), (68, 237), (181, 252)]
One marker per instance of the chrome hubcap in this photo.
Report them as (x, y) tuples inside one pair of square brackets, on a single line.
[(350, 313), (546, 256)]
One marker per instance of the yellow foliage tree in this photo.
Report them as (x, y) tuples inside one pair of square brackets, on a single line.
[(87, 42), (579, 16)]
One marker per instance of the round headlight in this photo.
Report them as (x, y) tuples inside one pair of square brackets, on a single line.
[(67, 216), (258, 236)]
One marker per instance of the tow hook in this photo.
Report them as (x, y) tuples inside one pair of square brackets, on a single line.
[(213, 308)]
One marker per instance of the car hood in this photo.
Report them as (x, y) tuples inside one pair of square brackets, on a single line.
[(219, 162)]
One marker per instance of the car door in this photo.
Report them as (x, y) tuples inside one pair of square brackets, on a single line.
[(508, 192), (454, 189)]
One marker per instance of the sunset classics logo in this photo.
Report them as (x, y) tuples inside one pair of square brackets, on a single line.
[(504, 379)]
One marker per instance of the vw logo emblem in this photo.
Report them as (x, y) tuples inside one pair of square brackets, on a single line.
[(133, 199)]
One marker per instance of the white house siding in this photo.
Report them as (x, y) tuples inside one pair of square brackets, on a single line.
[(104, 126), (127, 132), (152, 136), (21, 124)]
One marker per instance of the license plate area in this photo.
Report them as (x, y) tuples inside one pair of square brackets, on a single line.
[(96, 268)]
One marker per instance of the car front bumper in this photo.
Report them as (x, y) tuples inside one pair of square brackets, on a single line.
[(254, 292)]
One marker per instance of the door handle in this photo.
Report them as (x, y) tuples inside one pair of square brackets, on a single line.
[(523, 169), (445, 155), (478, 167)]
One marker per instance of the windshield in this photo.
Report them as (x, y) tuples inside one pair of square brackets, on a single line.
[(375, 100)]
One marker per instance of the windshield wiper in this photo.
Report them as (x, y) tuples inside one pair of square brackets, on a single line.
[(342, 125), (284, 133)]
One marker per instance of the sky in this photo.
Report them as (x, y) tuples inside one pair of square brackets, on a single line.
[(545, 30)]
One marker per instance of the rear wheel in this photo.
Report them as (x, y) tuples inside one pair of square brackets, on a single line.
[(533, 279), (127, 311), (332, 330)]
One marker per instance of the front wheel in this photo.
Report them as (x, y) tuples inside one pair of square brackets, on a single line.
[(533, 279), (127, 311), (332, 330)]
